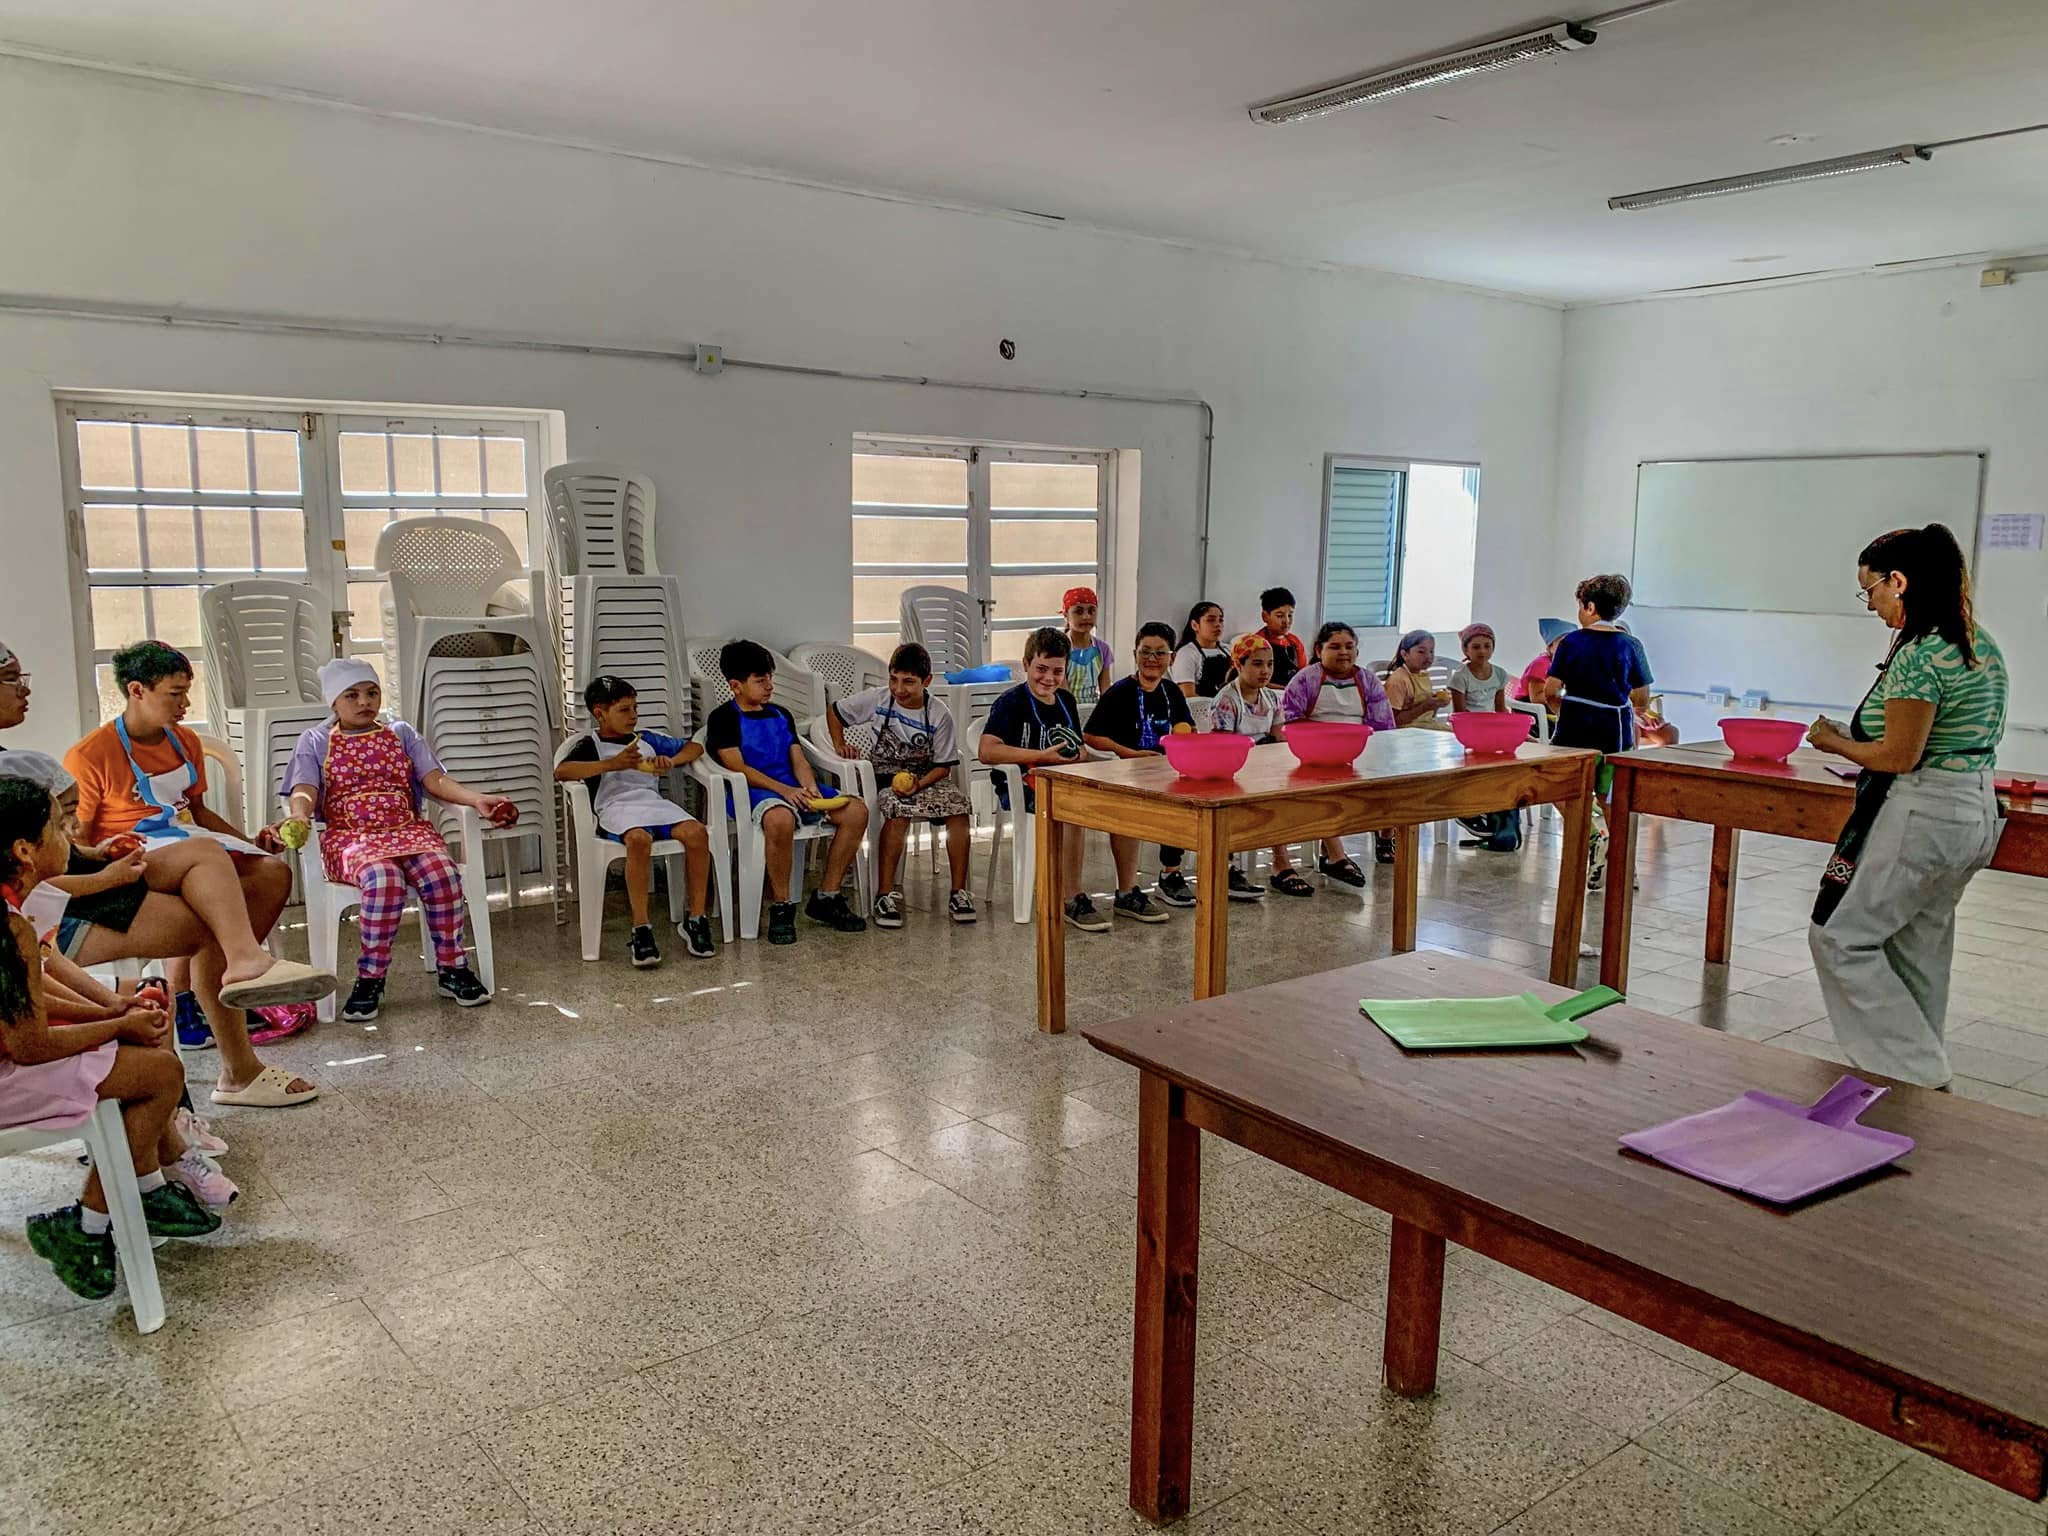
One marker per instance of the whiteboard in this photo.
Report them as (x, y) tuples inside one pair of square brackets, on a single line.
[(1782, 535)]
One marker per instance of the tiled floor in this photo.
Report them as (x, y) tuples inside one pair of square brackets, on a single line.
[(832, 1239)]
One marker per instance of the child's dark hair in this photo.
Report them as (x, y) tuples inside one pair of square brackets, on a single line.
[(1195, 616), (1334, 627), (148, 662), (739, 660), (606, 690), (25, 812), (1156, 631), (1937, 595), (1046, 641), (1608, 594), (912, 658), (1275, 597)]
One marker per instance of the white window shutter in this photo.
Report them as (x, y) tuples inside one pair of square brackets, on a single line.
[(1361, 554)]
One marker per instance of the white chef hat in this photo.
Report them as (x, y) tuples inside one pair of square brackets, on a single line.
[(342, 674), (37, 768)]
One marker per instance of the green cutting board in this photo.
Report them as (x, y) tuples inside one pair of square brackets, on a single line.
[(1481, 1023)]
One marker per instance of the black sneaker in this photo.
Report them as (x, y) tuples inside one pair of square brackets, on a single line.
[(834, 913), (696, 932), (960, 907), (1174, 890), (172, 1210), (365, 1000), (84, 1263), (1084, 915), (1243, 888), (889, 910), (1134, 903), (459, 984), (642, 950), (1382, 848), (781, 922)]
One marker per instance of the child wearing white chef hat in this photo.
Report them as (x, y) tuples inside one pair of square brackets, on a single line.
[(366, 780), (619, 765)]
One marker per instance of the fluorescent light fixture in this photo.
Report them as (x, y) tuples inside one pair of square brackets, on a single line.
[(1784, 175), (1481, 59)]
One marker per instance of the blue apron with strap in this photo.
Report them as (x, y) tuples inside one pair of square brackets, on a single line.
[(164, 821)]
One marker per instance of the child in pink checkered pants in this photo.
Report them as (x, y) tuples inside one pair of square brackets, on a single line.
[(367, 779)]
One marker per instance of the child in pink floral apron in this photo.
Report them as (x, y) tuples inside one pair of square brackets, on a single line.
[(366, 780)]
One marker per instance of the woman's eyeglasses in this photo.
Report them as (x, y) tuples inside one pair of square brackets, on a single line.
[(1863, 593), (18, 681)]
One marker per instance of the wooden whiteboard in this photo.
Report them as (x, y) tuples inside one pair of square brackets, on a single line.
[(1781, 535)]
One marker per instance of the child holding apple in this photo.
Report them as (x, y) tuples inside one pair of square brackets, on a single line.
[(913, 751)]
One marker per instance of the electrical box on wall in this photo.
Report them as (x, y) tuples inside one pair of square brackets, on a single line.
[(1755, 699), (711, 359)]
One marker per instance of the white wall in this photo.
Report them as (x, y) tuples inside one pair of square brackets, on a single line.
[(121, 190), (1906, 363)]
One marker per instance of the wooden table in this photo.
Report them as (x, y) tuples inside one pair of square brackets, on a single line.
[(1914, 1303), (1404, 779), (1705, 782)]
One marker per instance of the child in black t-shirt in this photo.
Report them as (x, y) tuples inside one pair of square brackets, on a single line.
[(1034, 724), (1133, 716), (1599, 678)]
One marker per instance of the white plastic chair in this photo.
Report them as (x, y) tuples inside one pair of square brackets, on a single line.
[(728, 801), (846, 669), (631, 627), (446, 578), (328, 901), (982, 778), (487, 719), (601, 519), (797, 689), (265, 641), (596, 853), (947, 623), (106, 1138)]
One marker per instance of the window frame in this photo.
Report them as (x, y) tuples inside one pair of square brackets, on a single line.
[(980, 571), (1332, 462), (318, 429)]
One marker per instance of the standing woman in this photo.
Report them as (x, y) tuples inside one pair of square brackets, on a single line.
[(1926, 816)]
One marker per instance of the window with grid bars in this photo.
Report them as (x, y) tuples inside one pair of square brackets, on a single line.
[(1012, 527), (166, 501)]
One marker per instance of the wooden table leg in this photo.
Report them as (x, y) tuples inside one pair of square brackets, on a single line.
[(1407, 867), (1621, 881), (1568, 925), (1212, 911), (1052, 933), (1163, 1349), (1415, 1306), (1721, 893)]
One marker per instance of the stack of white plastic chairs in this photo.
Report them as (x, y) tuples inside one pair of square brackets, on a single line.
[(482, 684), (265, 641), (945, 622)]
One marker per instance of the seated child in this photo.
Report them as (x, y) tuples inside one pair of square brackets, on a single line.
[(1478, 686), (1335, 687), (1201, 663), (1130, 719), (1410, 694), (53, 1074), (1529, 686), (1250, 706), (1599, 678), (914, 758), (1089, 662), (365, 779), (617, 763), (1276, 608), (1036, 723), (757, 738)]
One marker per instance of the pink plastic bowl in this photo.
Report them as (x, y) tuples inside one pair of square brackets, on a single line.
[(1768, 740), (1217, 755), (1491, 732), (1325, 743)]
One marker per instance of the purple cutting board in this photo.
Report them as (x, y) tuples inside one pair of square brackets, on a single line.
[(1774, 1149)]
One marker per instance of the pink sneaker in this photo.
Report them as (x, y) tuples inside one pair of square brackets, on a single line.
[(209, 1186), (197, 1134)]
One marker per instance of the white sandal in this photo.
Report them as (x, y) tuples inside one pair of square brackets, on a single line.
[(287, 981), (269, 1089)]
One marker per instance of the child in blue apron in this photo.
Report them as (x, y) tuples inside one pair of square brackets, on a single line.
[(1599, 677)]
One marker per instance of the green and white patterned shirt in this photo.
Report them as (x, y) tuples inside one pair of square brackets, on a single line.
[(1969, 702)]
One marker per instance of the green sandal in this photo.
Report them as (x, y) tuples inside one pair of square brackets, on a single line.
[(84, 1262)]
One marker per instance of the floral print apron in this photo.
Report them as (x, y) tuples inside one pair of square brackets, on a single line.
[(366, 797)]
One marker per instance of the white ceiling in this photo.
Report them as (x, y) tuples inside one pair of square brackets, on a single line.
[(1130, 114)]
